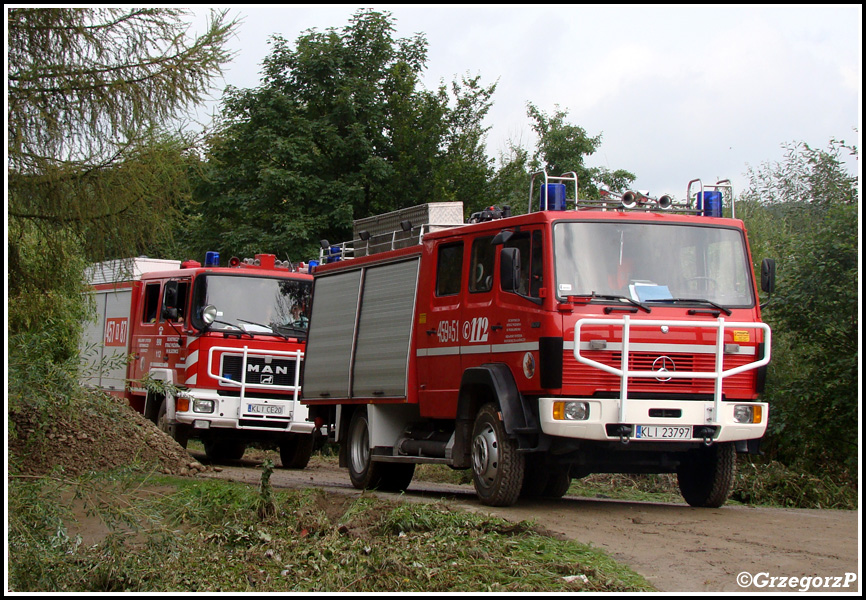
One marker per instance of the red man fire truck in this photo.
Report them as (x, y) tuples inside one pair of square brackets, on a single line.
[(622, 335), (214, 352)]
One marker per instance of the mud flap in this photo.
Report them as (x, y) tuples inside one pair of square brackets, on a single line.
[(749, 447)]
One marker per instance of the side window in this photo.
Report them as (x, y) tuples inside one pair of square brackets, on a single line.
[(448, 269), (531, 262), (481, 265), (151, 301)]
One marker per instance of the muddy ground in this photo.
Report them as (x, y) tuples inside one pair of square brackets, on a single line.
[(676, 547)]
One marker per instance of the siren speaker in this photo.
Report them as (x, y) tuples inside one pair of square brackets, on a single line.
[(629, 200)]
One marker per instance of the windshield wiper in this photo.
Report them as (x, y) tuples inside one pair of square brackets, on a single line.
[(611, 297), (234, 331), (725, 310), (295, 328), (268, 327)]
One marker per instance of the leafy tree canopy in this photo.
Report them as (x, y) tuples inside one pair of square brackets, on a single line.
[(94, 171), (804, 211), (561, 148), (340, 129)]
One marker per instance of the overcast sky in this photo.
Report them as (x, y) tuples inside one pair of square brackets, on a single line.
[(677, 93)]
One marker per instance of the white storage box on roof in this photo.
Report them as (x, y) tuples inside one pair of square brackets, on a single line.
[(129, 269)]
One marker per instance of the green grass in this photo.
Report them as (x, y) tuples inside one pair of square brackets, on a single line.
[(759, 482), (179, 535), (770, 483), (652, 488)]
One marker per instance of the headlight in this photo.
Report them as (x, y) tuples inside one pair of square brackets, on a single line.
[(747, 413), (571, 411), (202, 406)]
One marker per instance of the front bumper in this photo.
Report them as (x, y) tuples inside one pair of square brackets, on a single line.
[(604, 417), (272, 414)]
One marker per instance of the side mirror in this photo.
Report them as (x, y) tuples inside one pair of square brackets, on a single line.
[(170, 301), (209, 314), (509, 269), (768, 275), (169, 297), (502, 237)]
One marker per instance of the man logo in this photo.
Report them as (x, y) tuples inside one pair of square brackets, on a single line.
[(267, 380)]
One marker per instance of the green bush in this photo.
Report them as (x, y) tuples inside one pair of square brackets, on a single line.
[(772, 483)]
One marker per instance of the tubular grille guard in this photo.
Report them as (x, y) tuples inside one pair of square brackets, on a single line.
[(245, 354), (718, 374)]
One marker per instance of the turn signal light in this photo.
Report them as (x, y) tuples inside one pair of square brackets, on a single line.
[(748, 413), (570, 411)]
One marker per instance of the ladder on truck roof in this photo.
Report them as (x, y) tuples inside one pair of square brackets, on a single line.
[(397, 229)]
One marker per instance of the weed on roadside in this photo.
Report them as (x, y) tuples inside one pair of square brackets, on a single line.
[(771, 483), (209, 536)]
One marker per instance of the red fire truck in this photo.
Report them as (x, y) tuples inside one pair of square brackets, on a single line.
[(622, 335), (205, 351)]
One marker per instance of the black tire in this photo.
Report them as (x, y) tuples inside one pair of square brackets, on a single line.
[(366, 474), (543, 480), (176, 431), (223, 450), (497, 467), (535, 478), (706, 477), (557, 483), (296, 450)]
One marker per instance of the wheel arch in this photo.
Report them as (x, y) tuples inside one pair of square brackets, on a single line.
[(153, 400), (492, 382)]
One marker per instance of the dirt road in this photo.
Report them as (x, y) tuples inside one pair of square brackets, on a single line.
[(675, 547)]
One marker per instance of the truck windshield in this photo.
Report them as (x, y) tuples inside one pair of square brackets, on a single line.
[(653, 262), (255, 305)]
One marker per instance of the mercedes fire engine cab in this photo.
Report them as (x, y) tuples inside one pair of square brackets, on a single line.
[(621, 335), (205, 351)]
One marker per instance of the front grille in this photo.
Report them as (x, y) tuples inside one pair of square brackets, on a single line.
[(590, 380), (260, 371)]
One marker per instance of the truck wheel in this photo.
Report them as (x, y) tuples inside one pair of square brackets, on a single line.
[(535, 478), (222, 450), (176, 431), (536, 474), (542, 480), (706, 476), (558, 483), (497, 467), (295, 452), (366, 474)]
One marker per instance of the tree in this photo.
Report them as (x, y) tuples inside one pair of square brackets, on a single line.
[(561, 148), (804, 210), (463, 170), (340, 129), (510, 183), (94, 170)]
